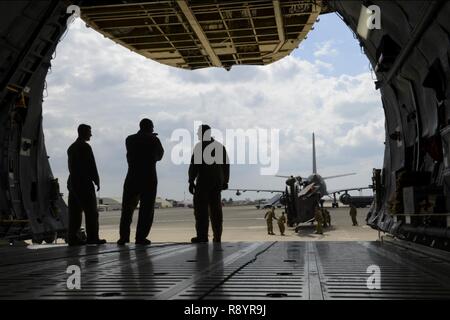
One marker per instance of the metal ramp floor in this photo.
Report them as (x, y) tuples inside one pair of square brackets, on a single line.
[(243, 270)]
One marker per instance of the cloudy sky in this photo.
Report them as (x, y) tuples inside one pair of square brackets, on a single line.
[(325, 86)]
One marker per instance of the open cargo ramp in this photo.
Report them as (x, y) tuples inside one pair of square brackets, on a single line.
[(243, 270)]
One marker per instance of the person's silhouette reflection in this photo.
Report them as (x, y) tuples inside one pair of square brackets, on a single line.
[(209, 259)]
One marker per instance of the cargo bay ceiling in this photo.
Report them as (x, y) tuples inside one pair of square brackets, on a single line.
[(200, 34)]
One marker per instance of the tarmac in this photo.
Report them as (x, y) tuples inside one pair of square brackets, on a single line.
[(244, 223)]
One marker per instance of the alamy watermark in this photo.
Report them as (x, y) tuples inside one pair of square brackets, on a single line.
[(74, 280), (369, 19), (75, 12), (374, 280), (373, 20), (256, 146)]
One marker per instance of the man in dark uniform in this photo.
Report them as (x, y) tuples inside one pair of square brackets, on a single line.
[(326, 218), (270, 216), (281, 223), (143, 151), (319, 219), (353, 214), (83, 172), (209, 174)]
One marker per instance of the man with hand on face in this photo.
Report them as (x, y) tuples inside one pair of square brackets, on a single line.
[(209, 173), (143, 151), (83, 173)]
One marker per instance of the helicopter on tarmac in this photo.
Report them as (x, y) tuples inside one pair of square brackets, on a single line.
[(303, 194)]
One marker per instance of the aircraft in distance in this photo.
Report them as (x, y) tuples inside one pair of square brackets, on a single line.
[(302, 194), (275, 201)]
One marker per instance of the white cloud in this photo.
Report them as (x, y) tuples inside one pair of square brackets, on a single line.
[(98, 82), (325, 49), (324, 65), (363, 134)]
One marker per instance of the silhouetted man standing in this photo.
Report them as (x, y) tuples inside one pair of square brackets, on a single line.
[(209, 173), (143, 151), (83, 172)]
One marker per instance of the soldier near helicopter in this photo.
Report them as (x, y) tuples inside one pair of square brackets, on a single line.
[(281, 223), (326, 218), (270, 216), (319, 219), (353, 214)]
